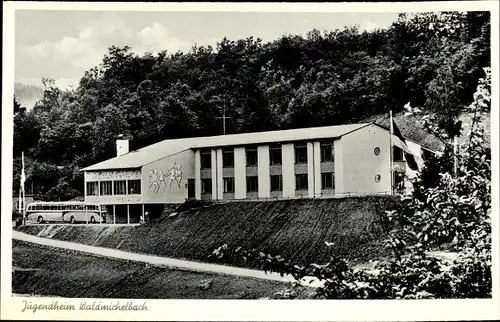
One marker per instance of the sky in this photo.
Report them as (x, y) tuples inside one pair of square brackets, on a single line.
[(62, 45)]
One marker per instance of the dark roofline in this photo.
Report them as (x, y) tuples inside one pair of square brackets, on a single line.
[(409, 139)]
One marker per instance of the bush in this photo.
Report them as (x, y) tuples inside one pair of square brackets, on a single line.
[(16, 214), (453, 211)]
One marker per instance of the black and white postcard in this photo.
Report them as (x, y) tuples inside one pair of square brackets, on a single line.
[(259, 162)]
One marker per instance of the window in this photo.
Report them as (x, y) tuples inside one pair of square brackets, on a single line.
[(91, 207), (300, 153), (252, 184), (275, 154), (206, 185), (106, 188), (134, 187), (228, 158), (301, 182), (251, 154), (327, 180), (397, 154), (92, 188), (206, 160), (327, 152), (120, 187), (277, 183), (228, 185)]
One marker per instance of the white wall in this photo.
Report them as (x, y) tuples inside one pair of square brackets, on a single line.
[(360, 165), (310, 169), (240, 180), (338, 164), (220, 181), (288, 169), (317, 167), (158, 184), (263, 171), (197, 177), (213, 173)]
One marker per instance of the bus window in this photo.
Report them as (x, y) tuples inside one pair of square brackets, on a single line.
[(60, 207), (45, 207)]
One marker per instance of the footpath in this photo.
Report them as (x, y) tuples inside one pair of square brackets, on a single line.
[(162, 261)]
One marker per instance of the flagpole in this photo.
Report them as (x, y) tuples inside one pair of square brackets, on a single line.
[(20, 204), (391, 152), (455, 158), (23, 178)]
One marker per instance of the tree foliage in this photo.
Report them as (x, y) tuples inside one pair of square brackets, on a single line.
[(324, 78), (454, 214)]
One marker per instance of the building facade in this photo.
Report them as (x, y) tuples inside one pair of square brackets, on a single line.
[(320, 162)]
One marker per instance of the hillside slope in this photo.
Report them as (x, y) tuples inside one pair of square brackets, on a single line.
[(48, 271), (295, 229)]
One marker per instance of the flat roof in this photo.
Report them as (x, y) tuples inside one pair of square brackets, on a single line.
[(151, 153)]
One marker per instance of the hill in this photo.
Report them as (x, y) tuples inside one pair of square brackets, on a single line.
[(295, 229), (297, 81), (54, 272)]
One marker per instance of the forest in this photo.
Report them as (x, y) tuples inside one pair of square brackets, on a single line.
[(433, 60)]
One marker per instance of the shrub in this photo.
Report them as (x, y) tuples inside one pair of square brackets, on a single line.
[(454, 212)]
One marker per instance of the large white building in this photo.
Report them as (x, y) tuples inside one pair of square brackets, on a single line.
[(316, 162)]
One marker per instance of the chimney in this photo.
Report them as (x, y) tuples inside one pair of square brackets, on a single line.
[(122, 146)]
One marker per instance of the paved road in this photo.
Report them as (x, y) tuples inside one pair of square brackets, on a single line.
[(164, 261)]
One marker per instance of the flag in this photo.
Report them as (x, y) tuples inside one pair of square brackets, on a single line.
[(20, 201), (21, 190), (410, 158), (23, 175)]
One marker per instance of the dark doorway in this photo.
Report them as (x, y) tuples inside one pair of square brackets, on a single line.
[(191, 189)]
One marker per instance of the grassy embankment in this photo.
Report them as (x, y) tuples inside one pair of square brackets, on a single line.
[(294, 229), (48, 271)]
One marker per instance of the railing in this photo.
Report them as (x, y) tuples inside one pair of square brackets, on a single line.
[(307, 196)]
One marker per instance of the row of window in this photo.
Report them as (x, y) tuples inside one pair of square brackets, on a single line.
[(275, 158), (67, 207), (117, 187), (301, 183)]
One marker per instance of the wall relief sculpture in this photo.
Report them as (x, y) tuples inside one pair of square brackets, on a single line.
[(157, 178), (175, 174)]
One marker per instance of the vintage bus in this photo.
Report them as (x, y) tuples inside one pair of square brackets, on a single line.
[(69, 212)]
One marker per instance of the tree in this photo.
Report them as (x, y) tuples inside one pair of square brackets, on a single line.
[(325, 78), (455, 213)]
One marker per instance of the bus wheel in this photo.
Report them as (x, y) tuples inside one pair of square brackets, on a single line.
[(40, 219), (92, 220), (72, 220)]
